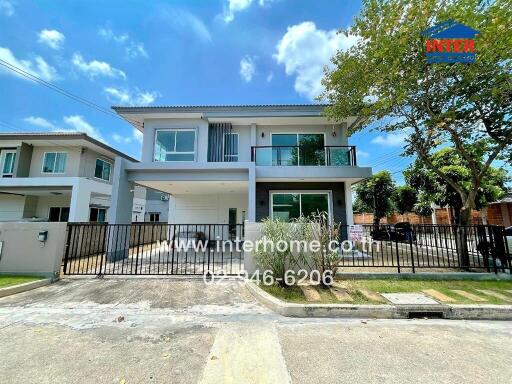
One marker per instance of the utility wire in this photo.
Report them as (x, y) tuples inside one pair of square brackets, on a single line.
[(66, 93)]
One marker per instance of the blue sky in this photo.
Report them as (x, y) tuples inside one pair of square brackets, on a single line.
[(170, 53)]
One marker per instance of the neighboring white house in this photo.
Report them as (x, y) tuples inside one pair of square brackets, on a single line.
[(149, 205), (56, 177), (229, 164)]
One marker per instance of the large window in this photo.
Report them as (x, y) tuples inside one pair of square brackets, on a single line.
[(175, 145), (231, 147), (102, 170), (287, 206), (98, 215), (54, 162), (8, 158), (58, 214), (298, 149)]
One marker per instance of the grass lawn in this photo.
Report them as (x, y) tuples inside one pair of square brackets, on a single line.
[(6, 281), (294, 294)]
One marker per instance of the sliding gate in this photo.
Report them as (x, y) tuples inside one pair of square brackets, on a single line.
[(153, 249)]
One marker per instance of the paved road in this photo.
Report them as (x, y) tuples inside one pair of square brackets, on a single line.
[(182, 331)]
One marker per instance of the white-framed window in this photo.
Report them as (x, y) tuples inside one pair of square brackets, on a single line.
[(54, 162), (102, 169), (7, 162), (58, 214), (230, 147), (154, 217), (98, 215), (175, 145), (289, 205)]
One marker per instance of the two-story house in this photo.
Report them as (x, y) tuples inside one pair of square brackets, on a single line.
[(229, 164), (56, 177)]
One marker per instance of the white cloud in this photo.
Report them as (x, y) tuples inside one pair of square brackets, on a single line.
[(39, 122), (96, 68), (390, 139), (132, 48), (234, 6), (184, 21), (270, 76), (6, 7), (136, 136), (78, 124), (52, 38), (37, 67), (362, 154), (127, 97), (247, 68), (305, 50), (72, 123)]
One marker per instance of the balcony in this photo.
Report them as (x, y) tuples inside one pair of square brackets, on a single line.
[(299, 155)]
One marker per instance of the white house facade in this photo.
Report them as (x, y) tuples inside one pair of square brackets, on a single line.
[(231, 164), (56, 177)]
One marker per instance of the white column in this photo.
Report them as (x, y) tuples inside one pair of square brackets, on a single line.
[(434, 217), (121, 206), (348, 203), (80, 200)]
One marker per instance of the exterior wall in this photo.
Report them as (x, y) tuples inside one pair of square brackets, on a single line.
[(72, 162), (244, 142), (151, 125), (88, 165), (11, 207), (23, 254), (206, 209), (45, 202), (22, 163), (157, 206), (267, 130), (337, 189), (30, 208)]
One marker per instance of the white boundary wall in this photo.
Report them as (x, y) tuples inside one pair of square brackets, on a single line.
[(24, 254)]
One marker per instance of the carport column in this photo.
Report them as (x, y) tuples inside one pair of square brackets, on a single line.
[(348, 203), (120, 212), (252, 194), (80, 199)]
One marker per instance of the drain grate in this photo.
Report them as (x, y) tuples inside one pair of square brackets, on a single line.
[(429, 315)]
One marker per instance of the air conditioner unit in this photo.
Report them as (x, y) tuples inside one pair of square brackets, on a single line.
[(164, 197)]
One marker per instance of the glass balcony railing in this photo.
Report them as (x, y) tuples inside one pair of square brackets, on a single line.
[(304, 155)]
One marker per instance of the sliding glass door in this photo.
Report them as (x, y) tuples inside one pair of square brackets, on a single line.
[(298, 149)]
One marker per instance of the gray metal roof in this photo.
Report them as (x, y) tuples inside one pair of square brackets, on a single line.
[(62, 136), (318, 108)]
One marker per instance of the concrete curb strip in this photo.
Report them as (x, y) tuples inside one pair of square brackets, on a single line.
[(382, 311), (12, 290)]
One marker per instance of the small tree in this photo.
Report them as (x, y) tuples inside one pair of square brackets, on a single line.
[(423, 207), (375, 193), (435, 189), (405, 197)]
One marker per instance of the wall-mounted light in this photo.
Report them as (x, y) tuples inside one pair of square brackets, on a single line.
[(333, 132), (262, 134)]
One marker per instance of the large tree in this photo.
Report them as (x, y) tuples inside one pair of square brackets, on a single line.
[(434, 189), (385, 80), (405, 198), (374, 194)]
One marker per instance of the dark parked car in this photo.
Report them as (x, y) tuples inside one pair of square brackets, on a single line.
[(397, 232)]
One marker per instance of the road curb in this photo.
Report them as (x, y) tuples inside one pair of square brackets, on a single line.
[(12, 290), (382, 311)]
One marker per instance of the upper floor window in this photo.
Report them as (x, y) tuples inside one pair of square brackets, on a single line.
[(97, 215), (231, 147), (102, 170), (8, 158), (54, 162), (175, 145)]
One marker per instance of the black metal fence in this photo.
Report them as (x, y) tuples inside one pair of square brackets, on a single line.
[(152, 249), (437, 247)]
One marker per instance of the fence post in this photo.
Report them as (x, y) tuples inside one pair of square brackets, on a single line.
[(397, 255), (66, 254), (410, 235)]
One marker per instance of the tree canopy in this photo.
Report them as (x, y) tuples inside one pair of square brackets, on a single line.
[(385, 79), (375, 195)]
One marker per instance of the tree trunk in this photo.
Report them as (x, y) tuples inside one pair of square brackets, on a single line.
[(461, 239)]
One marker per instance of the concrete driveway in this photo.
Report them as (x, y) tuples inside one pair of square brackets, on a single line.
[(183, 331)]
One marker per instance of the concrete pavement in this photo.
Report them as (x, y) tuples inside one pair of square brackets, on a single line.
[(169, 331)]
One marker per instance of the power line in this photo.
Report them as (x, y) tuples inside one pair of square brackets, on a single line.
[(66, 93)]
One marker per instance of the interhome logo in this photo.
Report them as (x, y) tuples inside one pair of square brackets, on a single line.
[(450, 42)]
